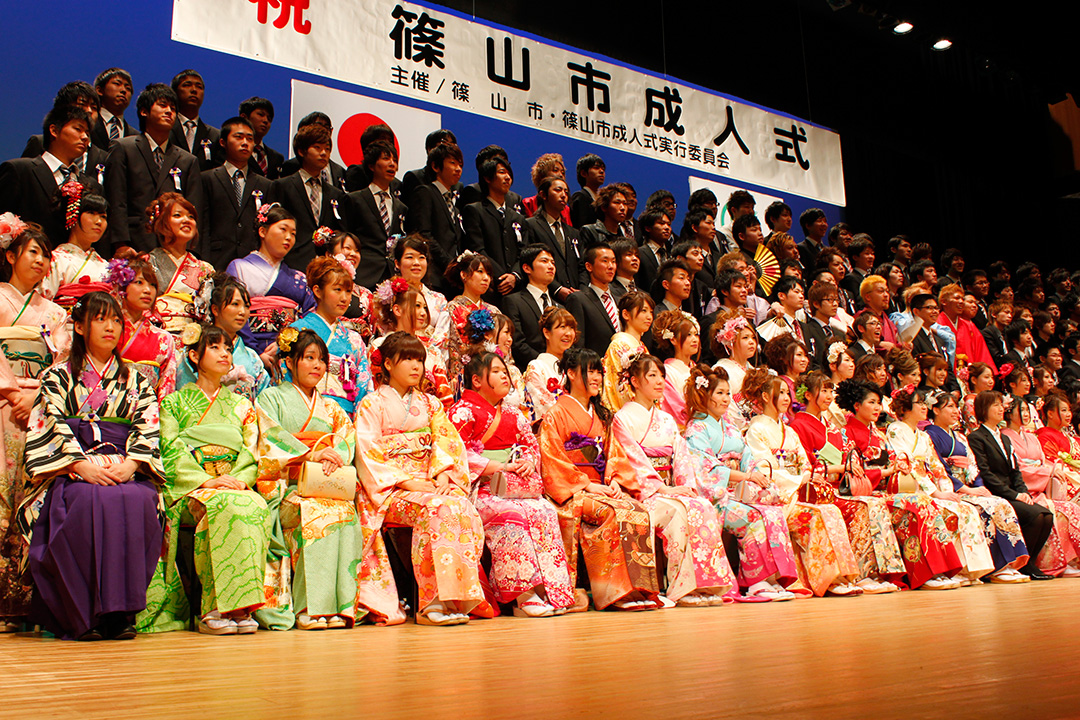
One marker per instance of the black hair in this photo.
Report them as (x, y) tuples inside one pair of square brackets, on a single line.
[(89, 202), (774, 211), (651, 216), (1014, 330), (918, 268), (851, 392), (738, 199), (304, 339), (585, 360), (257, 103), (275, 215), (700, 198), (398, 346), (918, 302), (225, 286), (150, 96), (412, 242), (77, 92), (374, 151), (835, 230), (380, 132), (32, 233), (228, 125), (725, 279), (970, 277), (314, 118), (810, 216), (744, 223), (466, 264), (479, 365), (208, 335), (438, 137), (693, 218), (591, 252), (91, 307), (183, 74), (895, 240), (486, 153), (657, 198), (439, 154), (490, 167), (786, 284), (859, 244), (108, 74), (586, 163), (61, 115), (530, 252)]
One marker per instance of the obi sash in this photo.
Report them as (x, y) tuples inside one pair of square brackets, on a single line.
[(661, 459), (215, 446), (271, 313), (410, 449), (67, 295), (340, 378), (27, 350), (103, 441), (586, 452)]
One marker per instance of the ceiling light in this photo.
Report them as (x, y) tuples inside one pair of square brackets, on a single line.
[(903, 27), (942, 44)]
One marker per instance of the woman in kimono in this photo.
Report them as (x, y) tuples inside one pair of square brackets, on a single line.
[(584, 470), (348, 378), (543, 379), (841, 366), (766, 558), (1000, 524), (279, 294), (678, 340), (412, 467), (85, 219), (916, 456), (974, 379), (1059, 444), (868, 519), (503, 342), (1015, 381), (826, 561), (210, 448), (33, 335), (928, 553), (664, 481), (223, 302), (403, 308), (787, 357), (636, 315), (412, 257), (323, 535), (146, 347), (472, 272), (734, 340), (1060, 555), (361, 315), (92, 453), (172, 218), (528, 561)]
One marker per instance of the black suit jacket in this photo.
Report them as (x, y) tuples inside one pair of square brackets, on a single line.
[(500, 237), (995, 343), (1014, 357), (274, 161), (357, 178), (856, 350), (132, 183), (523, 311), (95, 155), (1070, 370), (429, 215), (851, 282), (226, 230), (808, 254), (999, 472), (581, 209), (28, 189), (594, 325), (648, 268), (818, 339), (291, 193), (926, 342), (413, 179), (207, 145), (99, 134), (473, 193), (568, 266), (594, 234), (365, 221), (337, 173)]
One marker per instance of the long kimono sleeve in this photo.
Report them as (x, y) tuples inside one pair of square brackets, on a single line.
[(463, 417), (943, 446), (526, 442), (447, 448), (903, 442), (562, 478), (934, 467), (9, 384), (246, 467), (168, 370), (674, 402), (50, 445), (144, 440), (642, 481), (786, 481), (378, 474), (182, 474), (277, 446), (683, 466), (713, 476), (344, 431)]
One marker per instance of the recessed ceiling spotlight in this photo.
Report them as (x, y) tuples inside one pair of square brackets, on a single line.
[(903, 27), (942, 44)]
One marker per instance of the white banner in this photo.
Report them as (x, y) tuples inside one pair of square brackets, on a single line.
[(433, 55)]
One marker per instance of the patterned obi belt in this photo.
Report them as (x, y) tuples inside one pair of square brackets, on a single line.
[(661, 459), (215, 460), (27, 350), (271, 314), (587, 453), (103, 440), (410, 450), (173, 309)]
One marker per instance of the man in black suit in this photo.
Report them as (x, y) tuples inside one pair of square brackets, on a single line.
[(590, 176), (594, 308), (114, 87), (656, 232), (818, 333), (265, 160), (358, 176), (421, 176), (28, 186), (924, 308), (814, 226), (474, 192), (1070, 368), (547, 227), (525, 307), (433, 209), (611, 210), (1000, 473), (142, 167), (77, 94), (494, 228), (860, 252), (375, 214), (867, 329), (306, 194), (627, 264), (333, 173), (190, 132), (232, 194)]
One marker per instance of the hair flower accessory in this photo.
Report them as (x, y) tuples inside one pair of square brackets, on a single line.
[(833, 355), (384, 293), (11, 227), (286, 338), (908, 389), (119, 274), (1005, 369), (321, 236), (391, 243), (800, 393), (701, 382), (399, 285), (731, 329), (554, 386), (191, 333), (962, 374), (376, 359), (667, 335), (464, 256), (264, 211), (479, 323), (72, 191), (343, 261)]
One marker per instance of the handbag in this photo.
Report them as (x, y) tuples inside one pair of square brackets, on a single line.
[(747, 492), (903, 480), (854, 482), (315, 483), (818, 491)]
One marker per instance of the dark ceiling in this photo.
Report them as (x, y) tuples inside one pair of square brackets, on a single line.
[(935, 143)]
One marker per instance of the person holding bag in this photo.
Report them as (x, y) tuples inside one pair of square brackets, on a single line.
[(306, 447), (528, 560)]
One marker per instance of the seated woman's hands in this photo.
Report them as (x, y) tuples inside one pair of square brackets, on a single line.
[(329, 458), (680, 490), (225, 482)]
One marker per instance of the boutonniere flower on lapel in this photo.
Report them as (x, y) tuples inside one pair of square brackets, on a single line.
[(176, 172)]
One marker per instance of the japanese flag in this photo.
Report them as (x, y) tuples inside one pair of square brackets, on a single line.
[(351, 113)]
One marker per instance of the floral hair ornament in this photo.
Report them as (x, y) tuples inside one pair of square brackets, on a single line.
[(554, 386), (264, 212), (800, 393), (1007, 402), (963, 374), (909, 389), (731, 329), (667, 335), (200, 304), (72, 192), (479, 323), (119, 274), (191, 334), (833, 355), (701, 382), (375, 357), (11, 227), (286, 338), (1004, 370), (347, 266), (625, 361), (321, 236), (391, 243), (464, 256)]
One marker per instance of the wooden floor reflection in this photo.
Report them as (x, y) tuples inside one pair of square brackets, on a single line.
[(991, 652)]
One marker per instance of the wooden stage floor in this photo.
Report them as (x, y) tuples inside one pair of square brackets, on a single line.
[(990, 652)]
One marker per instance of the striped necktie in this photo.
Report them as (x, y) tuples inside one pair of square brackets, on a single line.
[(114, 129), (238, 186), (609, 306), (315, 197), (384, 212), (260, 158)]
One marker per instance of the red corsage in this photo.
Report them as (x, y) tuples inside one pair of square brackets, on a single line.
[(1005, 369), (376, 359), (909, 389), (553, 385), (322, 236), (399, 285)]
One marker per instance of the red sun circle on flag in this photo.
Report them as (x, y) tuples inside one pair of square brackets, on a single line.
[(348, 139)]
